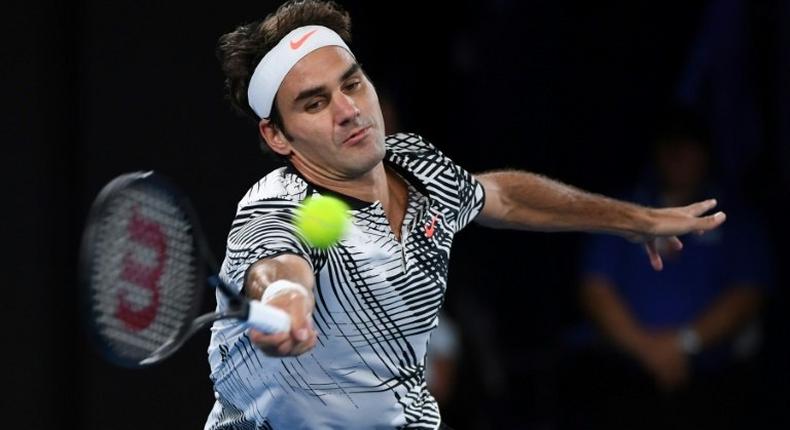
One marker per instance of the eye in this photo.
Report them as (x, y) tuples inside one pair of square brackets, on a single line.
[(315, 105), (352, 85)]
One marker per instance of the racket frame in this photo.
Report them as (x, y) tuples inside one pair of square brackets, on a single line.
[(88, 249)]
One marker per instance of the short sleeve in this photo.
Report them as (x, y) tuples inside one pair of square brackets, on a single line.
[(444, 180), (263, 229), (471, 197)]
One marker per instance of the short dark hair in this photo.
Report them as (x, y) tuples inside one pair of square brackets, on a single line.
[(240, 51)]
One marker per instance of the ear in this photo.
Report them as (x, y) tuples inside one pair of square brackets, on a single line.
[(274, 137)]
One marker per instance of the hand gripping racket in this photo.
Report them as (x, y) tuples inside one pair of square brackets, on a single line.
[(143, 264)]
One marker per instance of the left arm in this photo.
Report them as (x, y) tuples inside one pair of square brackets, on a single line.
[(527, 201)]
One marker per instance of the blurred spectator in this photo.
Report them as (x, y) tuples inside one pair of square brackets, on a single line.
[(672, 349), (441, 368)]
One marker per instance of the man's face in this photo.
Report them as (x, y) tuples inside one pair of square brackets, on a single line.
[(331, 111)]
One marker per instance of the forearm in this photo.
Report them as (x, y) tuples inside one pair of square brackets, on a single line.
[(727, 314), (530, 201), (292, 299), (611, 315), (285, 266)]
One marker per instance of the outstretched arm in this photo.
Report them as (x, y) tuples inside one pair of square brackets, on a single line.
[(527, 201)]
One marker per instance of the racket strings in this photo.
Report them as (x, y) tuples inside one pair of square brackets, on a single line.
[(143, 271)]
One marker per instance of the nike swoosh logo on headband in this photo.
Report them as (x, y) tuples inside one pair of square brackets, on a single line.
[(296, 44)]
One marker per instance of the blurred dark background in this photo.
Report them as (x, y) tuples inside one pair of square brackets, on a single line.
[(571, 89)]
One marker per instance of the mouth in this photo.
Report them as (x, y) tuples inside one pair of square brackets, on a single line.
[(357, 136)]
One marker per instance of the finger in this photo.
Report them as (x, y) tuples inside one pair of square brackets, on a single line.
[(293, 347), (304, 334), (285, 348), (699, 208), (301, 325), (273, 349), (674, 243), (711, 221), (278, 349), (652, 253), (262, 339), (307, 345)]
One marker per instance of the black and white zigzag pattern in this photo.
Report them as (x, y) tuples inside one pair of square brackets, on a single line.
[(377, 300)]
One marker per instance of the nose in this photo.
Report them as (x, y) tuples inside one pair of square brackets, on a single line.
[(346, 109)]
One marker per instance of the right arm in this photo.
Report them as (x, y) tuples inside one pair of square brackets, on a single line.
[(298, 305)]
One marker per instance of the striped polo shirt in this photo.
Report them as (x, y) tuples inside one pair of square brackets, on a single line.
[(377, 300)]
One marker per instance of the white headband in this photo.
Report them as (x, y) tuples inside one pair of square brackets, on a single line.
[(271, 71)]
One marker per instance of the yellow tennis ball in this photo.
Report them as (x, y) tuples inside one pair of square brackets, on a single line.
[(322, 220)]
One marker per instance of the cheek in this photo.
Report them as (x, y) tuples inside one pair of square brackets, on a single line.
[(374, 108), (311, 127)]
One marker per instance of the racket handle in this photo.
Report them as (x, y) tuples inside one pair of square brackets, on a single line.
[(267, 318)]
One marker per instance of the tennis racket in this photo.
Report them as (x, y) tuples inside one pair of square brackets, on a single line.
[(144, 262)]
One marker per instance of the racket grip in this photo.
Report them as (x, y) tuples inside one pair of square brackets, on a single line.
[(267, 318)]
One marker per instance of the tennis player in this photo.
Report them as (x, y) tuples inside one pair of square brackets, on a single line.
[(362, 311)]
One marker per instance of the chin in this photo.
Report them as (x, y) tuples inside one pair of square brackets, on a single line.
[(374, 144), (380, 147), (378, 138), (363, 164)]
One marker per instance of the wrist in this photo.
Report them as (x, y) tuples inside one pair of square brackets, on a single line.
[(642, 220), (283, 286), (689, 341)]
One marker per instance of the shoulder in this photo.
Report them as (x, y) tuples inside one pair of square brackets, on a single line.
[(280, 185), (409, 143), (415, 153), (269, 202)]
